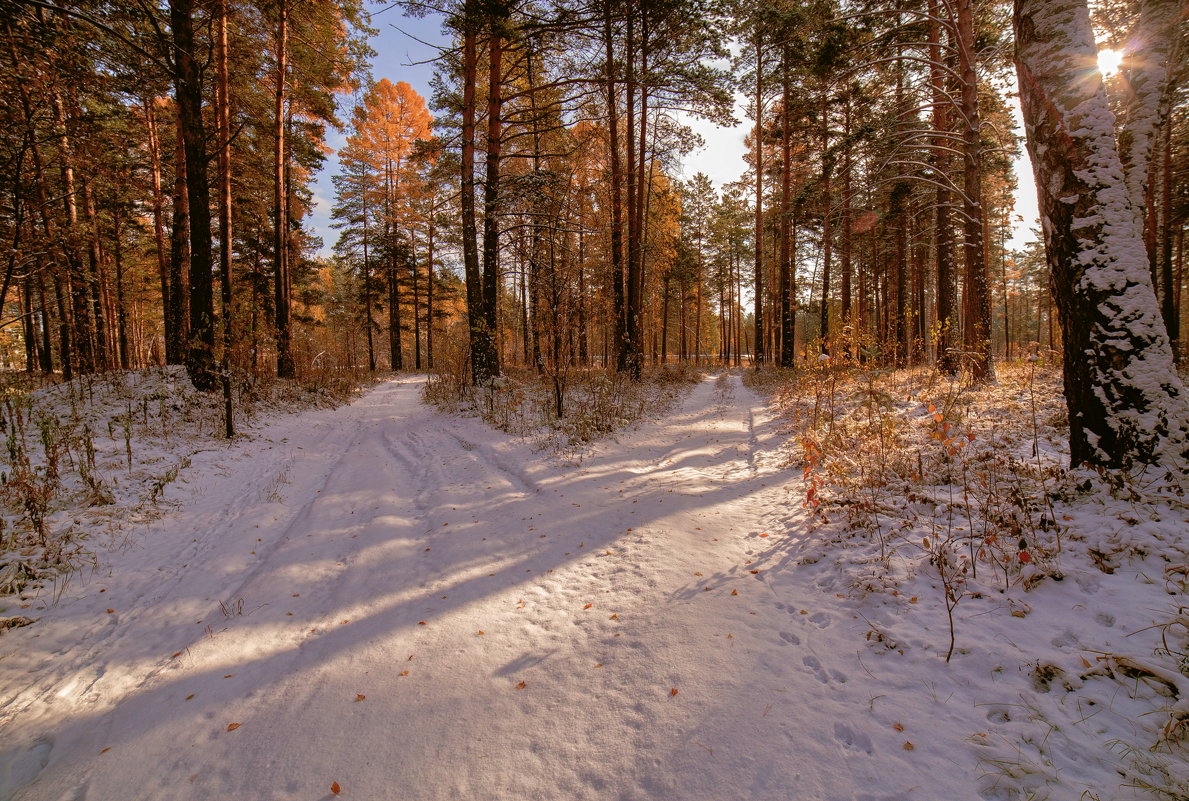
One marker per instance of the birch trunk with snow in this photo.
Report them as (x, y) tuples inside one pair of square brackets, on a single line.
[(1126, 403)]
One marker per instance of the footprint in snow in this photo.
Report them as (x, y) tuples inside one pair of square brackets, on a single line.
[(20, 766), (820, 619), (999, 714), (815, 666), (790, 638), (853, 740)]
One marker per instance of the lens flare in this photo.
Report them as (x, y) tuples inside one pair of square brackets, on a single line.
[(1109, 61)]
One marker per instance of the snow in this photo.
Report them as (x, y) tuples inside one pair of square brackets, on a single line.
[(384, 601)]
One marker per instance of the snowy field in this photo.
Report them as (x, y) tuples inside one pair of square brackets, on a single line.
[(380, 601)]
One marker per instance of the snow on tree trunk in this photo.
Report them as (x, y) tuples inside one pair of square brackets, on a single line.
[(1126, 403), (1145, 73)]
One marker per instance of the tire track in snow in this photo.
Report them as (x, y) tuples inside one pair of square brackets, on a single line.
[(585, 593)]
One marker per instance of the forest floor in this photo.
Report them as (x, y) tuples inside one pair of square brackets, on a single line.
[(382, 601)]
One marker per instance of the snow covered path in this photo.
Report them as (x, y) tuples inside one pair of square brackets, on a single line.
[(413, 606)]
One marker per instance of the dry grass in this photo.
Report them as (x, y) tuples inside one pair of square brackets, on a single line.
[(596, 403)]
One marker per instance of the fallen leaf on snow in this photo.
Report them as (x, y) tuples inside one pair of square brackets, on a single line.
[(232, 726), (753, 571), (520, 686), (908, 746), (105, 750), (734, 592), (673, 692), (897, 727), (175, 654), (614, 616), (359, 696), (588, 606), (334, 788), (404, 673)]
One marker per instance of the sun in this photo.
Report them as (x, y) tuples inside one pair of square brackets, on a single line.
[(1109, 61)]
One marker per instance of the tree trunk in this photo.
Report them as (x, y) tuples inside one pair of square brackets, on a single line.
[(618, 296), (223, 121), (200, 356), (416, 305), (94, 282), (366, 286), (46, 351), (281, 277), (1126, 403), (394, 255), (759, 221), (1145, 74), (633, 235), (636, 228), (83, 332), (1169, 309), (121, 312), (481, 342), (491, 188), (827, 167), (154, 143), (178, 333), (947, 358), (978, 293), (788, 348), (429, 257)]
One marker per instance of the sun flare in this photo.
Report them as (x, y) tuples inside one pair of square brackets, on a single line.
[(1109, 61)]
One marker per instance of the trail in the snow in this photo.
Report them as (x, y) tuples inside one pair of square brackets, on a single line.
[(416, 607)]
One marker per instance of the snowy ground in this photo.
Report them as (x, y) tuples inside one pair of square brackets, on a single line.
[(380, 601)]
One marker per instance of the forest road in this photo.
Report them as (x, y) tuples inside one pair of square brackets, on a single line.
[(390, 603)]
